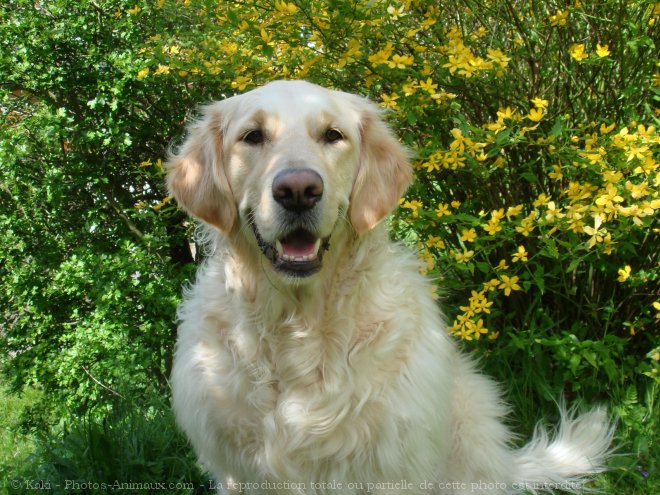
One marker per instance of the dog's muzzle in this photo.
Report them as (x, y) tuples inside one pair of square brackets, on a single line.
[(299, 252)]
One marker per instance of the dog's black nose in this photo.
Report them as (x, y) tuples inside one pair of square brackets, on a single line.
[(297, 189)]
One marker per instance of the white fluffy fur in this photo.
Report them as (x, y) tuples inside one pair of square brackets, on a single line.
[(343, 381)]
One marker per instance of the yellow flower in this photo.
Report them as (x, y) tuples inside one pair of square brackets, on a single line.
[(468, 235), (429, 261), (428, 85), (609, 197), (266, 36), (453, 159), (608, 244), (414, 205), (637, 152), (162, 69), (520, 255), (514, 211), (463, 257), (464, 333), (135, 10), (435, 241), (409, 88), (400, 61), (351, 53), (467, 311), (602, 50), (502, 265), (143, 73), (527, 224), (606, 129), (479, 303), (499, 162), (624, 273), (162, 203), (498, 57), (559, 18), (493, 226), (396, 13), (241, 82), (477, 328), (597, 234), (382, 56), (553, 213), (577, 52), (540, 103), (612, 176), (535, 114), (637, 190), (542, 199), (286, 8), (390, 101), (495, 127), (506, 113), (509, 284), (442, 209), (497, 214), (556, 173), (656, 305)]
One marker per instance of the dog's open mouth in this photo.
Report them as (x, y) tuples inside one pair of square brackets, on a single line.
[(298, 247), (298, 253)]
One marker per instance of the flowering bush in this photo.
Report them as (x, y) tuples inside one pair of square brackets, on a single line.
[(537, 176), (536, 200)]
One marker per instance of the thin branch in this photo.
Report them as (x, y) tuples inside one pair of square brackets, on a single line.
[(113, 392)]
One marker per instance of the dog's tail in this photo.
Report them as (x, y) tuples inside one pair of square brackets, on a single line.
[(579, 448)]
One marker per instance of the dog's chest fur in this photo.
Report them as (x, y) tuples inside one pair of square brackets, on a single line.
[(323, 385), (300, 399)]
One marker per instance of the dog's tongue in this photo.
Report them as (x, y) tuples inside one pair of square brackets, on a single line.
[(300, 243)]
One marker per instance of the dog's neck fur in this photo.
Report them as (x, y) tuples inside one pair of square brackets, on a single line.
[(314, 317)]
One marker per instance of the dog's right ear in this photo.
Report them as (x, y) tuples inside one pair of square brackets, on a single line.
[(196, 174)]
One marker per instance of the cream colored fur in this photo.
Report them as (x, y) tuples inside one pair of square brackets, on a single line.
[(344, 381)]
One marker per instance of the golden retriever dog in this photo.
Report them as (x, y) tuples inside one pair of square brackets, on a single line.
[(311, 354)]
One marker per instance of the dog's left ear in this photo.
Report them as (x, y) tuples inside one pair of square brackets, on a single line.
[(384, 172)]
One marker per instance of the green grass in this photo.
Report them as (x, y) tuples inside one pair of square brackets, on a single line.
[(16, 442), (633, 468), (134, 448)]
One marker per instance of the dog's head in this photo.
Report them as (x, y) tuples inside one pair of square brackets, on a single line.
[(289, 162)]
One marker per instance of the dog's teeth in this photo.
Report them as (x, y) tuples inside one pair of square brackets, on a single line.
[(307, 257)]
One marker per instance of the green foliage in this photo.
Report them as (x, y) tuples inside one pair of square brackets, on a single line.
[(535, 206), (15, 441), (135, 449), (89, 282)]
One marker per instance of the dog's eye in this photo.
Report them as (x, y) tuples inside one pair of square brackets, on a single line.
[(332, 136), (255, 136)]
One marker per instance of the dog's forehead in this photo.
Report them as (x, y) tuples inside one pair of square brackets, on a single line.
[(298, 101)]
